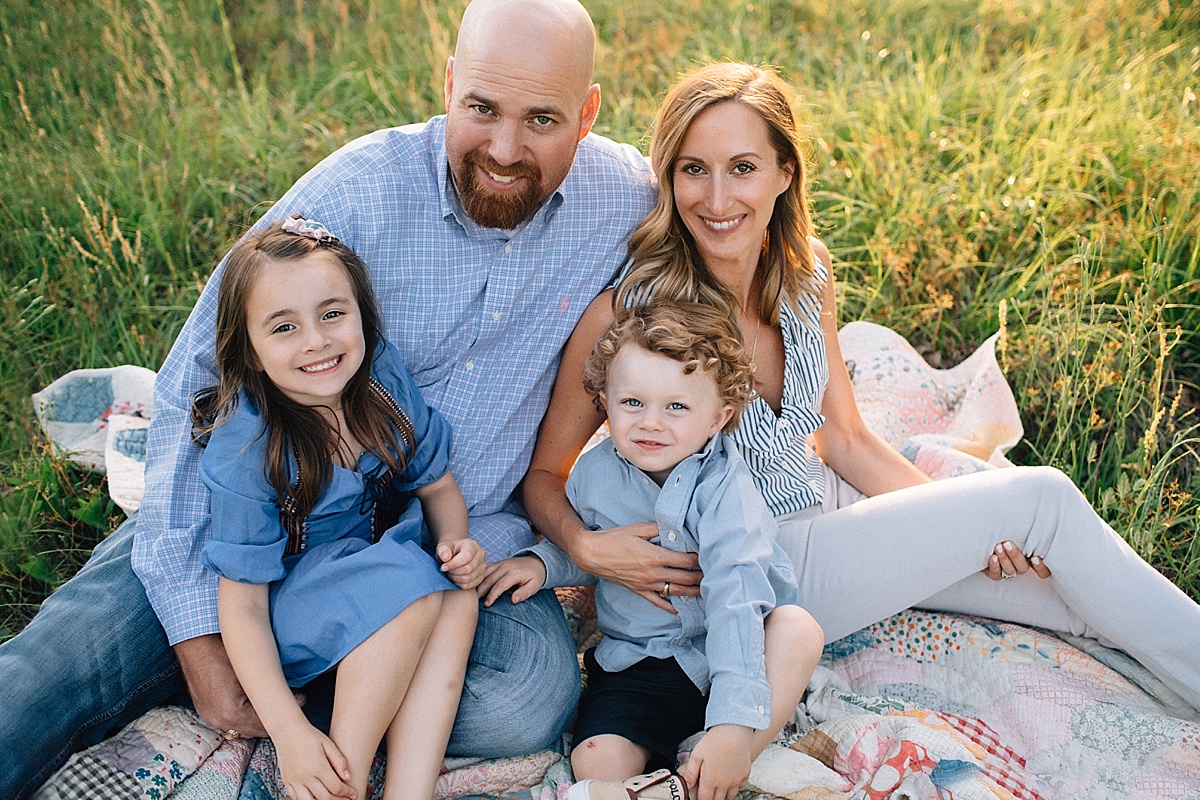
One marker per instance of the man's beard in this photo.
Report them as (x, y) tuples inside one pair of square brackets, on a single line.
[(493, 209)]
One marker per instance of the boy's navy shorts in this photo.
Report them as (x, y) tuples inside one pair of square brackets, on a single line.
[(653, 703)]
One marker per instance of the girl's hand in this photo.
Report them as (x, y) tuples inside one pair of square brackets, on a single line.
[(720, 765), (524, 574), (463, 562), (312, 766), (1009, 560)]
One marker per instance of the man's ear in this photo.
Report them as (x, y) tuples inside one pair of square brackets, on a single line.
[(591, 109), (449, 86)]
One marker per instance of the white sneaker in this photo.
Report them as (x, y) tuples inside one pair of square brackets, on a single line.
[(660, 785)]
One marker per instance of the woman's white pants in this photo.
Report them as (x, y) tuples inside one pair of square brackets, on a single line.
[(859, 560)]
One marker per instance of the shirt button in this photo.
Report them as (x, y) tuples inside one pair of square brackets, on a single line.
[(508, 247), (685, 641), (759, 709), (496, 315), (671, 536), (470, 365)]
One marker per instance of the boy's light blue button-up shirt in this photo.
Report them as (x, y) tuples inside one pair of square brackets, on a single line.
[(709, 506), (478, 316)]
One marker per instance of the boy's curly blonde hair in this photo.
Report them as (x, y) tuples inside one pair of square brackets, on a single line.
[(698, 336)]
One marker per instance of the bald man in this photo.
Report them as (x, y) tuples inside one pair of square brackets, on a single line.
[(486, 232)]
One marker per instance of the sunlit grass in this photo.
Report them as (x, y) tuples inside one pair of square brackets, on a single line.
[(970, 160)]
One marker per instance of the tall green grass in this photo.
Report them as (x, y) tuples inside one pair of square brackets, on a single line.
[(976, 165)]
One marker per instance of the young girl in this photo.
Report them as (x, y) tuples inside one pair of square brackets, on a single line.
[(315, 432)]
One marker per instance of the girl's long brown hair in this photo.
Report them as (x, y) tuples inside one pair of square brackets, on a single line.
[(666, 263), (294, 430)]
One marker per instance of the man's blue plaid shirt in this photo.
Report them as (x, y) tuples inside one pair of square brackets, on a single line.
[(479, 317)]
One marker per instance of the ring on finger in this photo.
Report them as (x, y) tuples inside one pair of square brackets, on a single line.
[(230, 735), (666, 590), (1004, 576)]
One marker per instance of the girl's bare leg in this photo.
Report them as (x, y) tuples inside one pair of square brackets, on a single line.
[(417, 736), (372, 682)]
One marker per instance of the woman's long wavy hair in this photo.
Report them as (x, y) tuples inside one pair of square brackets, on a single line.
[(292, 429), (667, 265)]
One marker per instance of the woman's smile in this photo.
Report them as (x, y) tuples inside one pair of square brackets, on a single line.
[(723, 226)]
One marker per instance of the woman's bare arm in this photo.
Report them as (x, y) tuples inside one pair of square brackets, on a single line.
[(870, 464), (845, 442)]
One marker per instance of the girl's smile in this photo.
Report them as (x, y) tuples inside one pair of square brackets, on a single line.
[(324, 365)]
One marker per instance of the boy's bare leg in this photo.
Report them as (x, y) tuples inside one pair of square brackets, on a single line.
[(608, 757), (792, 647)]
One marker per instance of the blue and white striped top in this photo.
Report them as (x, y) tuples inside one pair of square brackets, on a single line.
[(779, 450)]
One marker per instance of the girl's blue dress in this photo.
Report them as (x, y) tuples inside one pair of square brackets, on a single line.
[(327, 599)]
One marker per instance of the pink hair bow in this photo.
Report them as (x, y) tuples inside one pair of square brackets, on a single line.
[(309, 228)]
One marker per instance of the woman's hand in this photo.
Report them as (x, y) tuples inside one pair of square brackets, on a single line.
[(463, 562), (312, 766), (625, 556), (525, 575), (720, 764), (1008, 561)]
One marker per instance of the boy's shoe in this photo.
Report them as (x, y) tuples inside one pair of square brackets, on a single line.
[(660, 785)]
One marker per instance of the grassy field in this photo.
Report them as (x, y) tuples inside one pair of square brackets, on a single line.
[(1025, 164)]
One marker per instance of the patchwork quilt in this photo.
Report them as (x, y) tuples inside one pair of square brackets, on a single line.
[(921, 705)]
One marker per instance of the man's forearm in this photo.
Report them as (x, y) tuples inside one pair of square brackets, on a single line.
[(214, 687)]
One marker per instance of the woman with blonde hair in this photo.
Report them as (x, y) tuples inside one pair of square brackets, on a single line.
[(868, 534)]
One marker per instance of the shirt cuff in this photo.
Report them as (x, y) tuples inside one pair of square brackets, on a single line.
[(188, 616), (560, 569), (739, 701)]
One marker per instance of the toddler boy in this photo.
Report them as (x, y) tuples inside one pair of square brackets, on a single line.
[(733, 662)]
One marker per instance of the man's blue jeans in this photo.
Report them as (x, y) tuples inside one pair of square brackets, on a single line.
[(95, 658)]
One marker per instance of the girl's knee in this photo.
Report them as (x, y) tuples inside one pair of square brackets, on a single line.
[(462, 605), (423, 611)]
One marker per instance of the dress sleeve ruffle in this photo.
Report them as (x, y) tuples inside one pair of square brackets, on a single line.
[(248, 541)]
